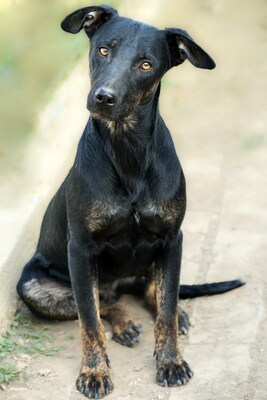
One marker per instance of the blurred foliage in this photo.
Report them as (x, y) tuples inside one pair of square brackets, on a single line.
[(35, 54), (253, 141)]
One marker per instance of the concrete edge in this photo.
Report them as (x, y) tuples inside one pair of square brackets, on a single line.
[(46, 162)]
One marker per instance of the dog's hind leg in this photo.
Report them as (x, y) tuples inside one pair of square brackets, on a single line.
[(45, 296), (150, 298), (125, 330)]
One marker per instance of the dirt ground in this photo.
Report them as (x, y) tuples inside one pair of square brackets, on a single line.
[(218, 120)]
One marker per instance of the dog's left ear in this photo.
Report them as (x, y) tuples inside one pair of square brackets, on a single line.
[(182, 47), (89, 18)]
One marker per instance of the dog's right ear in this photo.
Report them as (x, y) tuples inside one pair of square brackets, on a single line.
[(182, 47), (89, 18)]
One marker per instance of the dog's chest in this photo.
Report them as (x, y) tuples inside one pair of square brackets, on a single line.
[(129, 236), (112, 217)]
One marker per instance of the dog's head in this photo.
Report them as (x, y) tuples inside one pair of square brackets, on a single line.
[(128, 59)]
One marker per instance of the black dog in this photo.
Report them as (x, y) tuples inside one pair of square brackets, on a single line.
[(113, 227)]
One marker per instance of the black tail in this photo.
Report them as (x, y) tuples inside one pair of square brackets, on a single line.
[(208, 289), (138, 286)]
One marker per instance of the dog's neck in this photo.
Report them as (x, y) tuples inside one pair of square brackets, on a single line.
[(140, 122), (128, 142)]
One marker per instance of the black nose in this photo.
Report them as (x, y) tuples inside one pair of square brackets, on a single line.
[(105, 97)]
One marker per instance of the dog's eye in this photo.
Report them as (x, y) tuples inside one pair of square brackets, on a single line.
[(145, 66), (103, 51)]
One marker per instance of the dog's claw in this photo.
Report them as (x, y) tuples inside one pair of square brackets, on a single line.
[(93, 385), (183, 330), (188, 371), (183, 322), (108, 362), (97, 387), (173, 374), (137, 328), (106, 390), (129, 336)]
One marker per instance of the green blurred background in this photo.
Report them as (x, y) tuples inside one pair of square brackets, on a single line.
[(35, 56)]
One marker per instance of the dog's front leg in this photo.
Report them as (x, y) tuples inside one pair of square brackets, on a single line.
[(93, 380), (172, 370)]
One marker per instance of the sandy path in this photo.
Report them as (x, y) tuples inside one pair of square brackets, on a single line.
[(219, 122)]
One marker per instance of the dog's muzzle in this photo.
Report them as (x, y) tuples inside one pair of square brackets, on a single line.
[(104, 104), (104, 98)]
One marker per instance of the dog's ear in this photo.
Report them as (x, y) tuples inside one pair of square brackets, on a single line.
[(89, 18), (182, 47)]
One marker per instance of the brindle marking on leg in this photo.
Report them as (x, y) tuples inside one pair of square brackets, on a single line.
[(125, 330), (150, 299), (166, 333), (172, 370), (94, 380), (50, 299)]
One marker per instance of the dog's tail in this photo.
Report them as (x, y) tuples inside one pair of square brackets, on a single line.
[(208, 289), (138, 287)]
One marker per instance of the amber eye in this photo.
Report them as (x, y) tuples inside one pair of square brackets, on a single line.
[(103, 51), (145, 66)]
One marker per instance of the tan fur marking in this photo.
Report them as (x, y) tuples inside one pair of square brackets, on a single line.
[(99, 214), (117, 316), (50, 300), (125, 330), (95, 362), (150, 296), (166, 338), (166, 332), (151, 91), (123, 126), (92, 341), (151, 300), (168, 211)]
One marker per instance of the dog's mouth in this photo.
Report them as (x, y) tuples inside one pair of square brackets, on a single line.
[(101, 115), (113, 113), (120, 125), (119, 116)]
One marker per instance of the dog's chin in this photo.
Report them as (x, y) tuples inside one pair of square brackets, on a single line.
[(109, 115), (103, 116), (121, 122)]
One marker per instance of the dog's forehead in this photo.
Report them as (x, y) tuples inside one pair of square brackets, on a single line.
[(132, 32)]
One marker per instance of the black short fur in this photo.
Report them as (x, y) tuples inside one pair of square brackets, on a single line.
[(114, 226)]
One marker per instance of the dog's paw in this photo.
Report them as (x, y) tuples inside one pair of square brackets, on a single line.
[(94, 383), (173, 374), (128, 334), (183, 322)]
